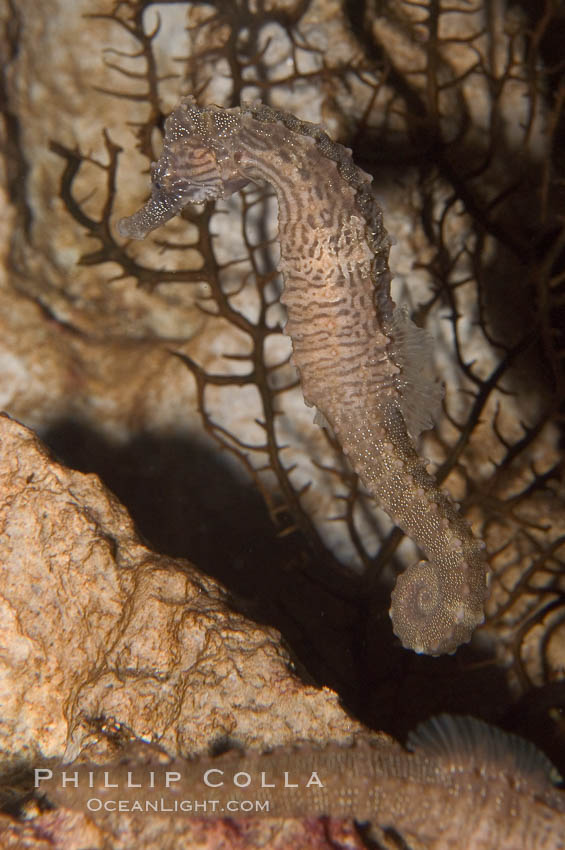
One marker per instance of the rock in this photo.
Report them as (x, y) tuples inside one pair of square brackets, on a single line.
[(104, 640), (102, 637), (63, 830)]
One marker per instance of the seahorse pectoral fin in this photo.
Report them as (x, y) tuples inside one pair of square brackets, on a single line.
[(321, 420), (233, 185)]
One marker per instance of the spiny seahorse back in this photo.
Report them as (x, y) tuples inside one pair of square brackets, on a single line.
[(358, 357)]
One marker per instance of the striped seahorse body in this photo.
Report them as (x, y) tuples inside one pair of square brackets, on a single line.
[(358, 357)]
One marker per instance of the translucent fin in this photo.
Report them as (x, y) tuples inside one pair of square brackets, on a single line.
[(235, 185), (465, 744), (421, 393), (320, 419)]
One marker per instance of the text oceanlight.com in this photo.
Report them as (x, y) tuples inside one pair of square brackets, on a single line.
[(194, 807)]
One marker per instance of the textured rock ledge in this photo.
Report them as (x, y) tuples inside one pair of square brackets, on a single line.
[(101, 635), (63, 830)]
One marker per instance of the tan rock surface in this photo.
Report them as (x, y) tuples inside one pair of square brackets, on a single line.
[(98, 631), (70, 831)]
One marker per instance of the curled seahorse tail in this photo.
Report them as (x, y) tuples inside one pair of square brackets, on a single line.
[(438, 602), (421, 615)]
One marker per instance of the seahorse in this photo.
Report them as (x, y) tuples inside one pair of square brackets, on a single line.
[(358, 356), (464, 785)]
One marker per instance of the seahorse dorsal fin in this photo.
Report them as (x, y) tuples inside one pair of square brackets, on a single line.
[(421, 393), (465, 743)]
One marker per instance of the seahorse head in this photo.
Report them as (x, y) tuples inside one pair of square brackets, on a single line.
[(195, 166)]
